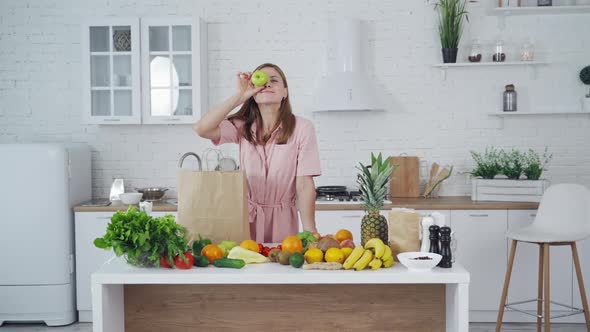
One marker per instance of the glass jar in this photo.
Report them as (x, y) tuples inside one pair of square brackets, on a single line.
[(499, 55), (509, 99), (475, 54), (527, 52)]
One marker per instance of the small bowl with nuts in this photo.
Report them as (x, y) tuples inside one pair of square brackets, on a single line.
[(419, 261)]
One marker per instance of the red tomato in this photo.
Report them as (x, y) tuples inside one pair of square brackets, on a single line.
[(164, 262), (260, 247), (180, 264), (280, 247)]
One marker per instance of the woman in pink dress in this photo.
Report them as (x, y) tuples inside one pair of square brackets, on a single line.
[(278, 153)]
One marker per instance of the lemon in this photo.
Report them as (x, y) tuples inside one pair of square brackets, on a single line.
[(314, 256), (346, 252), (334, 255)]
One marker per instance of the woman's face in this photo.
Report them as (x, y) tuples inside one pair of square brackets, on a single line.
[(274, 90)]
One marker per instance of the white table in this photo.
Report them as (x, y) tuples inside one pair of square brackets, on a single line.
[(108, 282)]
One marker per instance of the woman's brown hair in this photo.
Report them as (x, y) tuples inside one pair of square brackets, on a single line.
[(250, 114)]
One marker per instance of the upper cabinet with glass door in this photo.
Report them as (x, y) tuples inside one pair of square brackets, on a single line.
[(174, 71), (111, 66)]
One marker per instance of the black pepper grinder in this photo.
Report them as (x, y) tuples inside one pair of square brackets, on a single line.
[(434, 239), (445, 247)]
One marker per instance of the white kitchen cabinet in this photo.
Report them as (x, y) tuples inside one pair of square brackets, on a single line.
[(525, 272), (329, 222), (174, 70), (89, 226), (111, 71), (481, 249)]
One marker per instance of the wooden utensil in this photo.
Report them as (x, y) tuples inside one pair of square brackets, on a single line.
[(433, 171), (444, 174), (405, 180)]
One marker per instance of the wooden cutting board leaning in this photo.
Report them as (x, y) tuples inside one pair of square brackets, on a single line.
[(405, 180)]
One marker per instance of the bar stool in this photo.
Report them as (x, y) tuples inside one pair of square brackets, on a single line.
[(562, 219)]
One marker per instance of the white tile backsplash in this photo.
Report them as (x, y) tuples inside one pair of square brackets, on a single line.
[(438, 120)]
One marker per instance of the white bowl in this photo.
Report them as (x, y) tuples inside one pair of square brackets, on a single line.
[(408, 259), (130, 198)]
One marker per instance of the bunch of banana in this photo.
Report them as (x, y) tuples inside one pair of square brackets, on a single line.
[(375, 254)]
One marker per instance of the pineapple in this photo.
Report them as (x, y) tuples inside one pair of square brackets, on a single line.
[(373, 188)]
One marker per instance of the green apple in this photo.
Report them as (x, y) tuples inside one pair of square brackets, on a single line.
[(259, 78)]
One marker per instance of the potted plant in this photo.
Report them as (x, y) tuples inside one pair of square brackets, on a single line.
[(511, 164), (585, 78), (144, 240), (498, 175), (487, 165), (450, 26), (534, 165)]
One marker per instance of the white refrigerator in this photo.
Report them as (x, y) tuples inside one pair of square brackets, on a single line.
[(40, 184)]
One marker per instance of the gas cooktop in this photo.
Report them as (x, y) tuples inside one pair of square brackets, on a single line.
[(338, 195)]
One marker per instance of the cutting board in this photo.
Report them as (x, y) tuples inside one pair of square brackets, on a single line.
[(405, 180)]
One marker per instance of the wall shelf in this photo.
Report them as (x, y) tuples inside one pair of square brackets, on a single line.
[(445, 66), (549, 10), (502, 12), (513, 114)]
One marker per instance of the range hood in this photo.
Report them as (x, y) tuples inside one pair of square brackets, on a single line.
[(346, 87)]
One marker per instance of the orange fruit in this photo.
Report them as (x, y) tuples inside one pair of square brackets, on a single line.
[(314, 255), (346, 252), (343, 234), (292, 244), (212, 252), (250, 245), (334, 255)]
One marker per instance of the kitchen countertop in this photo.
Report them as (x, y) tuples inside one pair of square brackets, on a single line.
[(440, 203)]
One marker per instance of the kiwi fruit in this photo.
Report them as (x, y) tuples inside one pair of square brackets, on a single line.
[(284, 257), (273, 255)]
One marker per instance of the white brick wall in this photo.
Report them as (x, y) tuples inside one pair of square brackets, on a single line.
[(431, 118)]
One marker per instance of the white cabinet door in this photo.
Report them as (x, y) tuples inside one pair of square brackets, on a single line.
[(89, 226), (174, 69), (525, 273), (111, 71), (329, 222), (481, 249), (584, 255)]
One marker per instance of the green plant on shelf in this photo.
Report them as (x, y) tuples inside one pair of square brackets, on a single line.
[(511, 164), (450, 21), (487, 165), (534, 164)]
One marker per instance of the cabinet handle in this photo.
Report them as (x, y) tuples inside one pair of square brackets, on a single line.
[(103, 217), (478, 215), (352, 216), (533, 214), (172, 119), (111, 120)]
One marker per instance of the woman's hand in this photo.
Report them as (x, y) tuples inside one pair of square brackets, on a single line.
[(245, 88)]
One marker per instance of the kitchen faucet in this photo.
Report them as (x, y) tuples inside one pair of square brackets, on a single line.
[(190, 154)]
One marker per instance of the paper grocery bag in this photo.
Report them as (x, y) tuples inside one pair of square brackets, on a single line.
[(404, 231), (214, 205)]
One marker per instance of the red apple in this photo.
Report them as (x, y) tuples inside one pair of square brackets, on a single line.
[(347, 244)]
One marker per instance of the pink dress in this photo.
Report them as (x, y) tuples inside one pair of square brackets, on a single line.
[(271, 171)]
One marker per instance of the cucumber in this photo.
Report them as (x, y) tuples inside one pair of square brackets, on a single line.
[(201, 261), (229, 262)]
